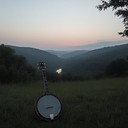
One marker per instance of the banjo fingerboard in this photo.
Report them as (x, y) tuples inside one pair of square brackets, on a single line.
[(45, 82), (46, 90)]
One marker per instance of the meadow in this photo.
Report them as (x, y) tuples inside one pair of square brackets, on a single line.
[(86, 104)]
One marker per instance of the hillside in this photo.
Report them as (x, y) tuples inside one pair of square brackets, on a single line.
[(58, 53), (67, 54), (74, 53), (77, 62), (96, 60), (34, 56)]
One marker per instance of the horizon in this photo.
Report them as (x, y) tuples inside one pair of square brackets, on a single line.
[(88, 47), (57, 24)]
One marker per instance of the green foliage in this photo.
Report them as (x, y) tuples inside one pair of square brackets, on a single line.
[(89, 65), (95, 61), (86, 65), (121, 7), (89, 104), (117, 67), (34, 56), (14, 68), (54, 77)]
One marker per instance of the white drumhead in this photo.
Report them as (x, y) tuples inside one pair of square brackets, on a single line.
[(48, 106)]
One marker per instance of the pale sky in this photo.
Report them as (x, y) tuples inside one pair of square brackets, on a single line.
[(56, 24)]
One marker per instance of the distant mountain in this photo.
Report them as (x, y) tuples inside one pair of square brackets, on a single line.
[(98, 45), (34, 56), (58, 53), (95, 61), (67, 54), (74, 53)]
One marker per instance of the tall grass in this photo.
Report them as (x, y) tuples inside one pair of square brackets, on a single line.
[(88, 104)]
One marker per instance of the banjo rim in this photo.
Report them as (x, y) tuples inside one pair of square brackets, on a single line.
[(41, 116)]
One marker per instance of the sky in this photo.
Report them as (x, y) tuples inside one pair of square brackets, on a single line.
[(56, 24)]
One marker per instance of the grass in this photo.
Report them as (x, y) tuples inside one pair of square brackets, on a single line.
[(89, 104)]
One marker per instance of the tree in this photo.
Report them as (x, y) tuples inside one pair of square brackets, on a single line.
[(121, 9), (117, 68), (14, 68), (3, 73)]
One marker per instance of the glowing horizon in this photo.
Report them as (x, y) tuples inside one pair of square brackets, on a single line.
[(56, 24)]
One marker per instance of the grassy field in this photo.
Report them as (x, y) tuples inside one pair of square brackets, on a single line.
[(88, 104)]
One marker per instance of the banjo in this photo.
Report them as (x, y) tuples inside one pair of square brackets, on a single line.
[(47, 106)]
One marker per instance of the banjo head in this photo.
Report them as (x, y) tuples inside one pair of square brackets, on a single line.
[(48, 107)]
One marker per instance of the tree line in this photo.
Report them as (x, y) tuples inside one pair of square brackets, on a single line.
[(14, 68), (117, 68)]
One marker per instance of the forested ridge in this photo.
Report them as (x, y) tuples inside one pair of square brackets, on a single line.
[(20, 64), (14, 68)]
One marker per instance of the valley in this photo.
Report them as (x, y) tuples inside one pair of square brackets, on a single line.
[(81, 62)]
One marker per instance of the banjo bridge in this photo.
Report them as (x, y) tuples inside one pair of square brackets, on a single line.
[(49, 107)]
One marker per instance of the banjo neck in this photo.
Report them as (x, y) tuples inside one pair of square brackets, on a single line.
[(43, 67), (45, 82)]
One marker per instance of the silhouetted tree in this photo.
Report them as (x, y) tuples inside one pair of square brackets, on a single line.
[(121, 10), (14, 68), (117, 67), (3, 73)]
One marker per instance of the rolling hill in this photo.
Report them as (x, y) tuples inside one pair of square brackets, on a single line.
[(34, 56), (95, 61), (67, 54), (74, 54), (77, 63)]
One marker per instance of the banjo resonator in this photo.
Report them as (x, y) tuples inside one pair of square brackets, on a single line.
[(47, 106)]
